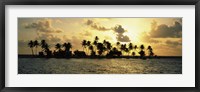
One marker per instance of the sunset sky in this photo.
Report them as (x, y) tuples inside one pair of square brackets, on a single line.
[(163, 34)]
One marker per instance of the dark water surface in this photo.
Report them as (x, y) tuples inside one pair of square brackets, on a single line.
[(99, 66)]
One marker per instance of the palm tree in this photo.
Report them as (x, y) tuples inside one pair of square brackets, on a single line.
[(65, 46), (105, 45), (31, 45), (130, 47), (150, 51), (36, 44), (149, 48), (84, 43), (135, 49), (100, 48), (91, 48), (126, 50), (88, 45), (123, 48), (43, 44), (142, 47), (114, 49), (133, 53), (95, 44), (68, 46), (104, 42), (96, 38), (142, 53), (108, 45), (118, 45), (58, 47), (46, 48)]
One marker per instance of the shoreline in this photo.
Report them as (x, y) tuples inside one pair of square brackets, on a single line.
[(98, 57)]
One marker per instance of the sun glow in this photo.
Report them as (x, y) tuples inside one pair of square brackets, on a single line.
[(124, 30), (133, 34)]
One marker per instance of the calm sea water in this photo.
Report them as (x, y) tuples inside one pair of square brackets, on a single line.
[(99, 66)]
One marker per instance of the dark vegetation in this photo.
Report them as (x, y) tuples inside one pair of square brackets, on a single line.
[(93, 49)]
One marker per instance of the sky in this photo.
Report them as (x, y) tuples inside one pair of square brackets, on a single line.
[(163, 34)]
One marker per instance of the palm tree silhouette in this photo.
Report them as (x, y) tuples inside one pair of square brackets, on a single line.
[(133, 53), (108, 46), (36, 44), (135, 49), (123, 48), (104, 48), (46, 48), (68, 46), (43, 44), (96, 38), (91, 49), (118, 45), (149, 48), (65, 46), (150, 51), (84, 43), (88, 45), (100, 48), (31, 45), (142, 47), (58, 47), (126, 50), (95, 44), (104, 42), (130, 47), (142, 53)]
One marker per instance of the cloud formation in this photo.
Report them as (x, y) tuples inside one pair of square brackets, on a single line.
[(120, 34), (146, 38), (117, 29), (86, 33), (165, 31), (44, 26), (94, 25), (51, 39), (123, 38), (174, 43)]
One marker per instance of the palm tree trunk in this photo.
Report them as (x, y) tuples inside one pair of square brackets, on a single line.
[(95, 49), (32, 51), (36, 51), (87, 51)]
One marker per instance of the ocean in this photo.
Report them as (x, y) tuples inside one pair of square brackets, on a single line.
[(99, 66)]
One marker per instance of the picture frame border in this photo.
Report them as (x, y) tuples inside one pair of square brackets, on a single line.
[(3, 3)]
